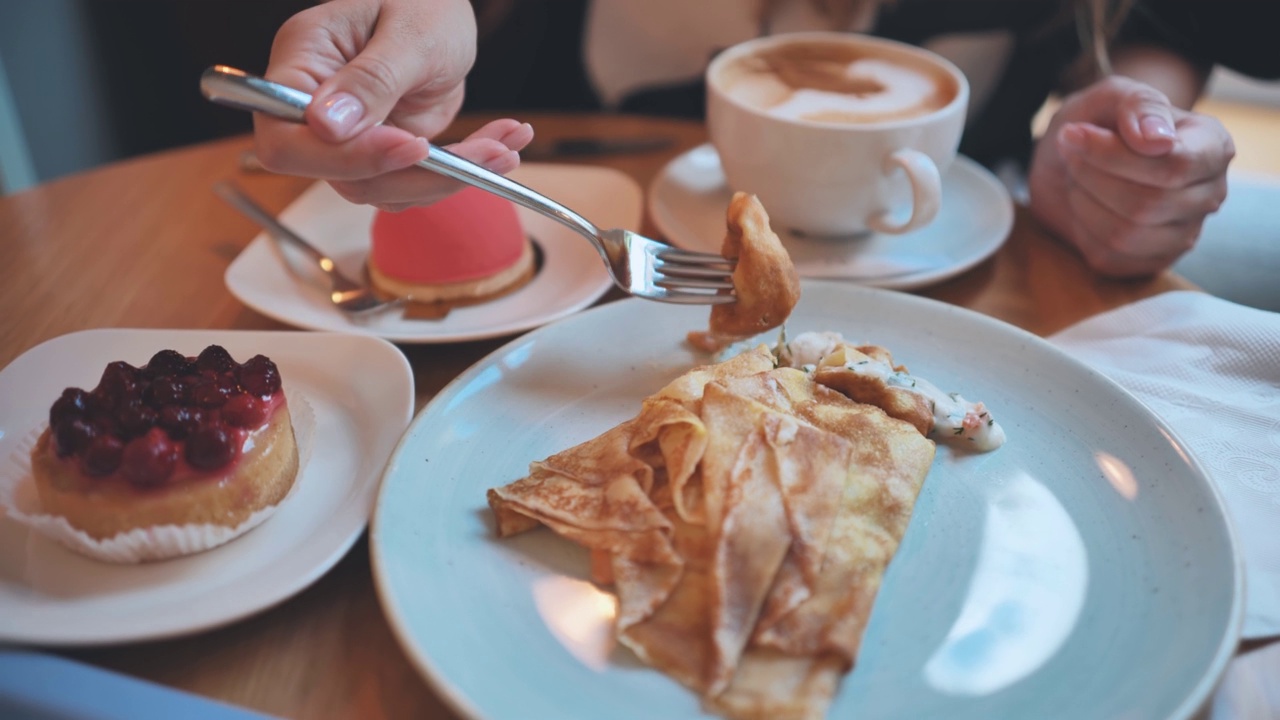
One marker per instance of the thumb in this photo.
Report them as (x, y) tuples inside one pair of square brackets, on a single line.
[(1145, 122), (416, 52), (362, 92)]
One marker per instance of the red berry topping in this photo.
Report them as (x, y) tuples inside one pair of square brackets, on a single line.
[(73, 403), (245, 411), (71, 436), (149, 460), (211, 447), (166, 390), (102, 456), (106, 423), (119, 382), (136, 419), (180, 421), (212, 391), (169, 362), (260, 376), (215, 358)]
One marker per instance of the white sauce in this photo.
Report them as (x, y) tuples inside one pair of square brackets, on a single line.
[(955, 420)]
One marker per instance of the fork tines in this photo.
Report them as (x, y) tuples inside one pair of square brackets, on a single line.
[(688, 270)]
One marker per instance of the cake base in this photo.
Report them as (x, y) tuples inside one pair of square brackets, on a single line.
[(467, 290)]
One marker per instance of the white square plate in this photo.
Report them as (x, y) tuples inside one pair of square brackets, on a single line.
[(361, 392)]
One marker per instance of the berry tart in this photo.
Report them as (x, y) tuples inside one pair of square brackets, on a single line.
[(180, 441), (465, 248)]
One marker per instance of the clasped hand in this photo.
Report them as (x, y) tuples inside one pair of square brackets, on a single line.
[(1127, 178)]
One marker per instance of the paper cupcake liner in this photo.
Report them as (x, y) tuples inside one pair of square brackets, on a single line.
[(21, 502)]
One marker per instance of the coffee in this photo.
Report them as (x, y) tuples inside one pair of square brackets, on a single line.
[(838, 134), (836, 82)]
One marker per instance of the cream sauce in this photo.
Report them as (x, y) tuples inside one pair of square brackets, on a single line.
[(955, 420)]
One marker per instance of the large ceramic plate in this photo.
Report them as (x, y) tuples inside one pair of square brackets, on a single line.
[(1085, 569), (570, 276), (360, 391)]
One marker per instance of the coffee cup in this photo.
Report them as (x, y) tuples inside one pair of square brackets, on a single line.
[(838, 134)]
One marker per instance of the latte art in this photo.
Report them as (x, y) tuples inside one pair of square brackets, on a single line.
[(836, 83)]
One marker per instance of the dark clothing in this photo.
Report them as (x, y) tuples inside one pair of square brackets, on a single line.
[(1238, 34)]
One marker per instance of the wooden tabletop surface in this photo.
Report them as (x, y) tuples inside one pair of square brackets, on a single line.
[(145, 243)]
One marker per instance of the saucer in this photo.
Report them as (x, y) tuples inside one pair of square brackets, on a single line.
[(687, 202), (570, 278)]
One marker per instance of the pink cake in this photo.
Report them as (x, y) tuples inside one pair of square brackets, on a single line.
[(465, 247)]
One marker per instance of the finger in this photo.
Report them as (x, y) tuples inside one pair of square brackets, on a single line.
[(512, 133), (1145, 121), (1189, 163), (415, 48), (305, 48), (292, 149), (1116, 247), (1103, 102), (1143, 204), (415, 186)]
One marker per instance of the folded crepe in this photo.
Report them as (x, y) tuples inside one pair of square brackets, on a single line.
[(746, 517)]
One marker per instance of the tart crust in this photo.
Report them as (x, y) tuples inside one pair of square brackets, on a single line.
[(105, 507)]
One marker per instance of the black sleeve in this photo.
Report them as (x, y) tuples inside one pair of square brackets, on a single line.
[(1238, 34)]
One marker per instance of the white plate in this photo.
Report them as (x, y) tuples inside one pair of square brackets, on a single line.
[(687, 202), (571, 278), (361, 392), (1086, 569)]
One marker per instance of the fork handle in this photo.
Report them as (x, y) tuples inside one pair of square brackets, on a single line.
[(235, 88), (255, 212)]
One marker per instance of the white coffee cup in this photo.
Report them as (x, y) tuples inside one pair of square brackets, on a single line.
[(837, 163)]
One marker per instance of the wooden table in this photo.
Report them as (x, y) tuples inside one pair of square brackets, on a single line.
[(144, 243)]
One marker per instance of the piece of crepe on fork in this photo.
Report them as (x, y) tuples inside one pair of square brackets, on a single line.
[(746, 517), (766, 286)]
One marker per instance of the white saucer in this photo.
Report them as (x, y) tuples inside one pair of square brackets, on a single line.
[(360, 390), (687, 202), (571, 277)]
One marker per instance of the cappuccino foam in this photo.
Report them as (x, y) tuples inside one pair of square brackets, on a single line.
[(836, 83)]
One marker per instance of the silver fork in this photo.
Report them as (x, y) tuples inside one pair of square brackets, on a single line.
[(639, 265), (349, 296)]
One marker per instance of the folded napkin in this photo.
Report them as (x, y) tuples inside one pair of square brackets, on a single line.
[(1211, 369)]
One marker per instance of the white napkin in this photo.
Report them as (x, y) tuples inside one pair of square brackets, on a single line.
[(1211, 369)]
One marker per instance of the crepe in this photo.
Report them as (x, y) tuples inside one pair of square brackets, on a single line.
[(746, 517), (765, 281)]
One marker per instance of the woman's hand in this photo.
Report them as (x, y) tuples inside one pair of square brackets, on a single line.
[(1127, 177), (369, 62)]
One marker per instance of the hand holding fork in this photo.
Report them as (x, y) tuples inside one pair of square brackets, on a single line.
[(640, 266)]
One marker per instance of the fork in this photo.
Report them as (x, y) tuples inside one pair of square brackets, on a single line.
[(351, 297), (640, 266)]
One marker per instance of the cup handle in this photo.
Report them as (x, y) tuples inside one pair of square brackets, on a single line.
[(926, 191)]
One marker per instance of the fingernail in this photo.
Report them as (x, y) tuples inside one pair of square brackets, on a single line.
[(343, 112), (1071, 138), (1156, 128)]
